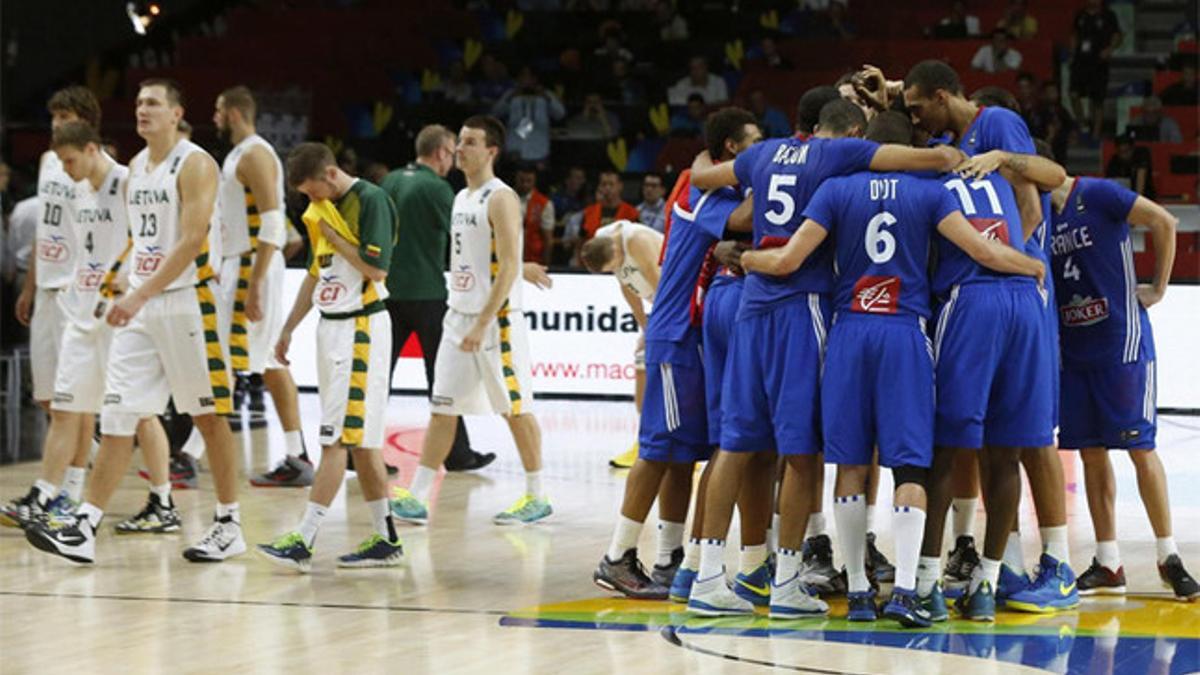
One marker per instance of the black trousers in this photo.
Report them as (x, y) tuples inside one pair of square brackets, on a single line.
[(424, 317)]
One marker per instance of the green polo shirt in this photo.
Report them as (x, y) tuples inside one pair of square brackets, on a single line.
[(423, 200)]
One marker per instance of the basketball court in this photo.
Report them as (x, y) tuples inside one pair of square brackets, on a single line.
[(472, 596)]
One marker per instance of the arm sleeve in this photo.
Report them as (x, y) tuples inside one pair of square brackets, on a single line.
[(822, 208), (377, 229), (1110, 199)]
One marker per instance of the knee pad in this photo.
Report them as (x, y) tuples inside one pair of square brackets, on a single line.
[(118, 423), (909, 474)]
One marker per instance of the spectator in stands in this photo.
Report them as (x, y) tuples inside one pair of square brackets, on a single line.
[(1052, 122), (997, 56), (1027, 94), (1020, 25), (623, 87), (612, 47), (609, 206), (774, 122), (698, 81), (1153, 125), (494, 80), (1184, 91), (768, 54), (538, 213), (456, 89), (1132, 163), (652, 210), (347, 160), (671, 26), (527, 110), (569, 200), (594, 122), (690, 120), (1096, 34), (836, 23), (958, 24)]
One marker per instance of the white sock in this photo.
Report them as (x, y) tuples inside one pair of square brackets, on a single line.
[(989, 571), (908, 529), (46, 491), (691, 555), (963, 511), (1164, 650), (870, 517), (787, 565), (422, 483), (194, 445), (1108, 554), (670, 537), (816, 525), (163, 492), (1014, 556), (751, 558), (850, 515), (712, 558), (73, 482), (1165, 547), (533, 486), (314, 513), (1054, 543), (93, 513), (230, 510), (773, 532), (929, 570), (381, 519), (625, 536), (294, 442)]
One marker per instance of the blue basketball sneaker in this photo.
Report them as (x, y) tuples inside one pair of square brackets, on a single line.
[(862, 606), (1010, 583), (406, 507), (978, 606), (681, 585), (935, 603), (375, 551), (290, 551), (755, 587), (1052, 591), (907, 609)]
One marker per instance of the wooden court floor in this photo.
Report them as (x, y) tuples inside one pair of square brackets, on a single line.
[(473, 597)]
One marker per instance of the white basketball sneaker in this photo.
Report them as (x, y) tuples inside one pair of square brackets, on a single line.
[(223, 540), (713, 597), (792, 600)]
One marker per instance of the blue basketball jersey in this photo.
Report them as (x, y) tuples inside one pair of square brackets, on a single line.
[(784, 173), (692, 233), (991, 207), (1094, 278), (996, 128), (881, 224)]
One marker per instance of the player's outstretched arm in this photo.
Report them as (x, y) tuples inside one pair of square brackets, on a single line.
[(987, 252), (709, 176), (789, 257), (1161, 223), (893, 157), (1046, 174)]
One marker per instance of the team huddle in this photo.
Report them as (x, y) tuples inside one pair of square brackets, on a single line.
[(164, 277), (924, 292)]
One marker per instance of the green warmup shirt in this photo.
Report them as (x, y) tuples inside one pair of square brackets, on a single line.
[(423, 200)]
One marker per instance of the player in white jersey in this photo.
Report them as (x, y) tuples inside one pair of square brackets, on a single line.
[(630, 251), (252, 217), (166, 322), (483, 362)]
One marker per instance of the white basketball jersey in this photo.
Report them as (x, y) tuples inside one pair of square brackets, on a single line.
[(234, 207), (56, 245), (103, 229), (472, 245), (629, 274), (154, 209)]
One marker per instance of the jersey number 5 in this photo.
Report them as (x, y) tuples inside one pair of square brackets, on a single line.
[(786, 202)]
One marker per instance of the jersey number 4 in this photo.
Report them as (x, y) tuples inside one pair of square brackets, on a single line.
[(1070, 269)]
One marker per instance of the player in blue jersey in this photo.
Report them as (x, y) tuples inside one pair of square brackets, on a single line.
[(878, 386), (934, 97), (771, 394), (673, 433), (1108, 392)]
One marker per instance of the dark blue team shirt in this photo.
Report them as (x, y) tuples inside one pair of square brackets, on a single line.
[(996, 128), (692, 234), (784, 173), (990, 205), (881, 224), (1095, 282)]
